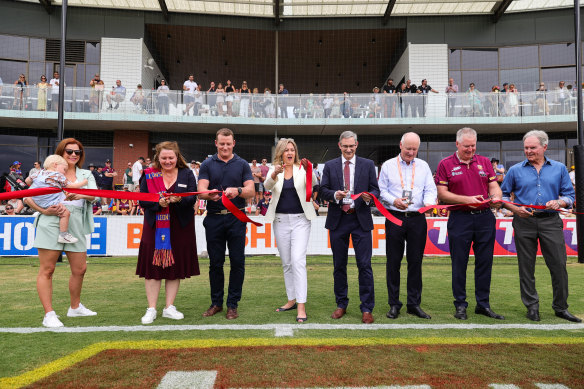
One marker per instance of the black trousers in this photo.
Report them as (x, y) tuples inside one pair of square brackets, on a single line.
[(412, 236), (222, 230)]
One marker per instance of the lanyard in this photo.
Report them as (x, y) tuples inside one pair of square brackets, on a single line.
[(400, 173)]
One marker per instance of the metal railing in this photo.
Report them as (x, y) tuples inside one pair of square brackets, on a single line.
[(300, 106)]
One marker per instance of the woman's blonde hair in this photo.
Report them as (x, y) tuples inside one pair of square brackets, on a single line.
[(281, 147), (181, 162), (54, 159)]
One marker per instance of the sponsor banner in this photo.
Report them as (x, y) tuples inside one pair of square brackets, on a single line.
[(120, 235), (17, 236)]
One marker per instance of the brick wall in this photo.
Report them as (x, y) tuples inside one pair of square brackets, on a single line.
[(123, 153)]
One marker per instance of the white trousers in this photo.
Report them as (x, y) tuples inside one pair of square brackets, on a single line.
[(292, 232)]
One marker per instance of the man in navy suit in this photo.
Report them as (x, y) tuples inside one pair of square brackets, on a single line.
[(346, 219)]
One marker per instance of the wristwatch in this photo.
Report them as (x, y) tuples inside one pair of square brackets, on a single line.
[(239, 191)]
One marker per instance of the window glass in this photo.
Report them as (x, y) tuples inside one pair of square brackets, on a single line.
[(9, 70), (434, 157), (456, 75), (14, 47), (35, 71), (483, 147), (510, 158), (97, 155), (552, 76), (454, 59), (37, 49), (525, 80), (92, 52), (483, 80), (26, 155), (518, 57), (480, 59), (80, 80), (559, 54)]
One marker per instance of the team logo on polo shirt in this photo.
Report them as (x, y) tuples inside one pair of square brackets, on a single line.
[(480, 167)]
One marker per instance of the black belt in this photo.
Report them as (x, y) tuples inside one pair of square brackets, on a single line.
[(541, 215), (405, 214), (474, 212), (224, 212), (350, 211)]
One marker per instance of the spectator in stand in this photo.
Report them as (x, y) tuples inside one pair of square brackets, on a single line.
[(20, 91), (118, 94), (268, 104), (572, 175), (9, 210), (96, 94), (137, 209), (264, 203), (55, 91), (137, 169), (148, 162), (16, 177), (211, 98), (283, 102), (36, 168), (139, 99), (256, 110), (264, 168), (97, 207), (199, 100), (195, 166), (403, 99), (424, 89), (499, 170), (124, 206), (244, 103), (412, 103), (492, 101), (162, 100), (189, 88), (220, 91), (512, 101), (389, 101), (229, 91), (562, 96), (327, 104), (475, 100), (42, 94), (107, 182), (503, 99), (374, 107), (128, 177), (17, 204), (346, 108), (451, 91), (541, 100), (256, 172)]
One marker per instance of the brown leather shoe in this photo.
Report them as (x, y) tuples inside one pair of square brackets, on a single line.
[(212, 310), (367, 318), (231, 314), (338, 313)]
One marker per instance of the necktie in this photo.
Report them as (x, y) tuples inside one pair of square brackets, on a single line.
[(347, 174)]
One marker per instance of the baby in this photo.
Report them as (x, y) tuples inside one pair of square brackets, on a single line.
[(53, 176)]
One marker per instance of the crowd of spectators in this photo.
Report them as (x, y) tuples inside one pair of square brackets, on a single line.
[(406, 99)]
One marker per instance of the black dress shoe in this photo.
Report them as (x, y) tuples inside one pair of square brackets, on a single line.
[(533, 315), (488, 312), (416, 310), (568, 316), (460, 313), (393, 312)]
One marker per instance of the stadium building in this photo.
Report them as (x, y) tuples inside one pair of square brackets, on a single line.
[(328, 55)]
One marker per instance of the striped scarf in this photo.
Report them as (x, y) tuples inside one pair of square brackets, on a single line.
[(162, 249)]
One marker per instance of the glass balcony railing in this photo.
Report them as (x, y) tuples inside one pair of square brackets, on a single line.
[(303, 106)]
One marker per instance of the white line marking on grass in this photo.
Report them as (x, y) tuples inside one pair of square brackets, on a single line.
[(282, 328), (199, 379), (284, 331), (551, 386), (503, 386)]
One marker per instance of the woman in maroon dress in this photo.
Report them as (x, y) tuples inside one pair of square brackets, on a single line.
[(168, 248)]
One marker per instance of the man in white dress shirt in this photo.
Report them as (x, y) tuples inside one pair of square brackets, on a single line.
[(406, 185)]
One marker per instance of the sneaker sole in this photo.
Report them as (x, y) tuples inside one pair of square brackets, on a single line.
[(81, 315), (173, 318)]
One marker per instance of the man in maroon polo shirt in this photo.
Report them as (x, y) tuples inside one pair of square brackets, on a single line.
[(467, 178)]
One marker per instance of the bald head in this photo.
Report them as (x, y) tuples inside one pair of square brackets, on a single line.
[(409, 145)]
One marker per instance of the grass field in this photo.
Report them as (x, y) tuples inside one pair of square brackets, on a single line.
[(112, 289)]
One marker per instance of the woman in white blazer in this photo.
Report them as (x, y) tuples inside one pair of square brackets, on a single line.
[(291, 215)]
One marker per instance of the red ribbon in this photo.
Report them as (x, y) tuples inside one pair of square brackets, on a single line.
[(380, 207), (241, 216), (308, 181), (117, 194), (473, 205)]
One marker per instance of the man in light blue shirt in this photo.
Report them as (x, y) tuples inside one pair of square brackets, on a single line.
[(406, 185), (118, 94), (540, 181)]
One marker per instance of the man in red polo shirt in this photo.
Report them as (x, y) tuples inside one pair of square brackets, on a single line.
[(467, 178)]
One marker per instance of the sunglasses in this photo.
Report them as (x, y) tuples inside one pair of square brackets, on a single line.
[(9, 208), (77, 152)]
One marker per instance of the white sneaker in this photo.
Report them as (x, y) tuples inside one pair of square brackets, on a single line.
[(149, 317), (51, 320), (80, 311), (66, 237), (172, 313)]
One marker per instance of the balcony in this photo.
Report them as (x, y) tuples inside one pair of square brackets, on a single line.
[(88, 109)]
